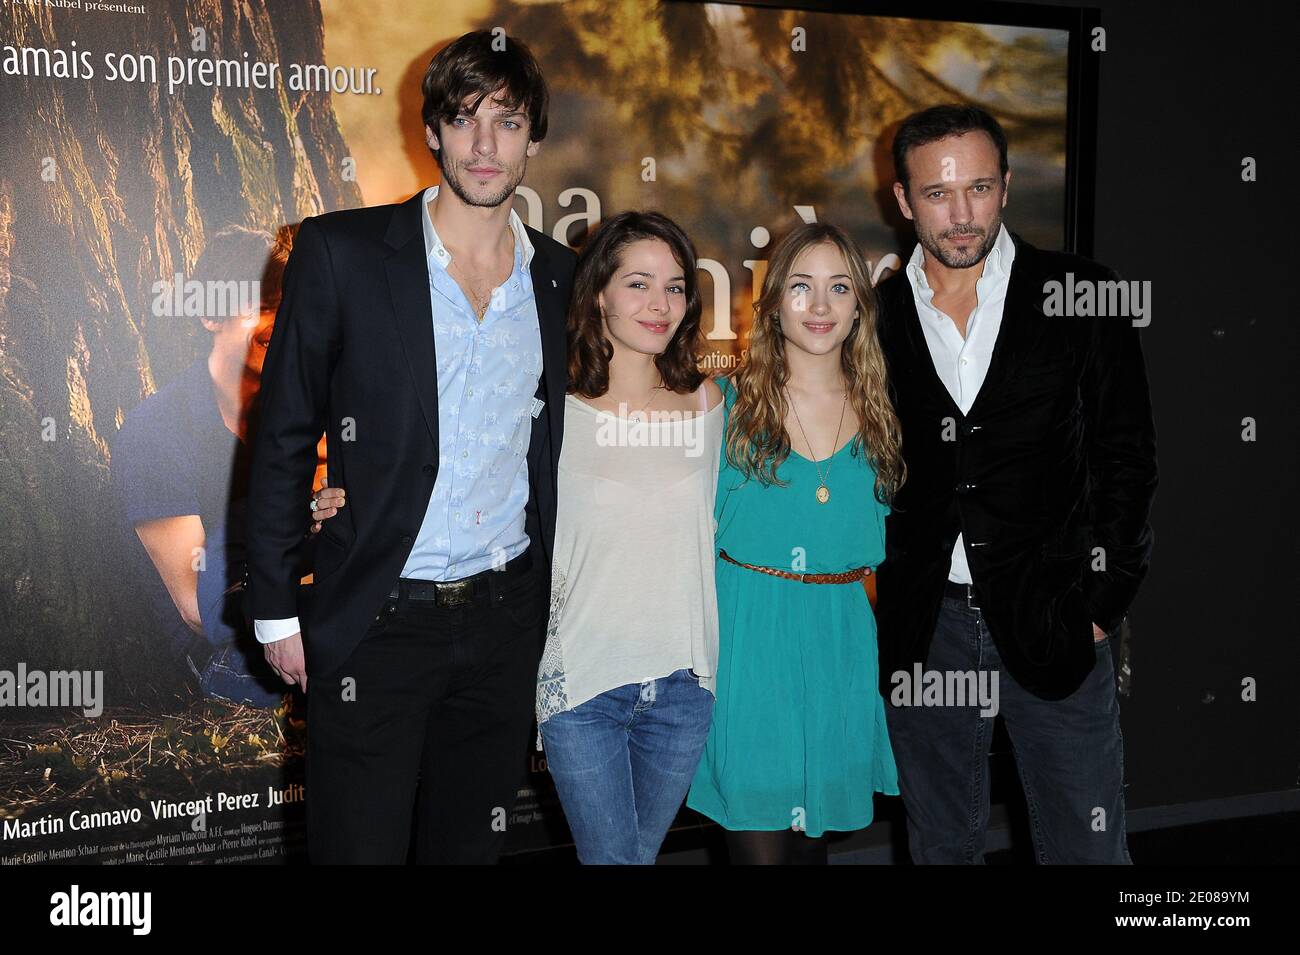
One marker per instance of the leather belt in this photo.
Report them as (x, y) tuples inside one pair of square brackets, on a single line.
[(846, 577), (457, 593), (963, 592)]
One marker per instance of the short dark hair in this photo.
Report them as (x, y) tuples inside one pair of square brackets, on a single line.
[(589, 350), (472, 65), (238, 253), (940, 122)]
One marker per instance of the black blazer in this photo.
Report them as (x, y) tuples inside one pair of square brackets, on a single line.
[(353, 350), (1056, 457)]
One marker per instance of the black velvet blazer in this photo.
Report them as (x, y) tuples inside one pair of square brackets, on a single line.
[(1056, 458)]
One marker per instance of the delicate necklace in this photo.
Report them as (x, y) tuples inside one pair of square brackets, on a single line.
[(823, 493), (477, 301), (634, 414)]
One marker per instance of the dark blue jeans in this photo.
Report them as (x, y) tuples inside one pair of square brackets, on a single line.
[(1069, 753), (237, 670), (235, 673), (623, 761)]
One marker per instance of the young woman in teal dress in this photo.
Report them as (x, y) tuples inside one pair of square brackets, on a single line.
[(798, 742)]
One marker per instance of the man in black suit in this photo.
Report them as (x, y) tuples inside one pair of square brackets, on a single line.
[(1021, 535), (427, 341)]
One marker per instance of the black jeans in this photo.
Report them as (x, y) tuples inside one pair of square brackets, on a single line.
[(430, 716), (1069, 754)]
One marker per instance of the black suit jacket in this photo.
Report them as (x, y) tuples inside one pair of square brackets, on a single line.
[(1055, 458), (353, 352)]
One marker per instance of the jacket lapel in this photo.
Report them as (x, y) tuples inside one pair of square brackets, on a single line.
[(408, 285), (919, 361), (552, 321), (1022, 322)]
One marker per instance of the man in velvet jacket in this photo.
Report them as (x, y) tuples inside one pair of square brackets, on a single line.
[(427, 341), (1021, 534)]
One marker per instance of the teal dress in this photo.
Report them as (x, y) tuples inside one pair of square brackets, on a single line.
[(798, 735)]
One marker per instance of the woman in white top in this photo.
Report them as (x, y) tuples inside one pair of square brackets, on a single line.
[(625, 689)]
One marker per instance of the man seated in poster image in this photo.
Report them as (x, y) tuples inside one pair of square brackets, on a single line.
[(1021, 535), (180, 472)]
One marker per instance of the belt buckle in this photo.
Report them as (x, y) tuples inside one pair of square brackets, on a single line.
[(970, 592), (454, 593)]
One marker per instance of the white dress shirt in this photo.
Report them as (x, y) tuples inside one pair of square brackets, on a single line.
[(963, 362)]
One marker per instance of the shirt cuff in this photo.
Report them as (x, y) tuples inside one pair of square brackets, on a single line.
[(269, 631)]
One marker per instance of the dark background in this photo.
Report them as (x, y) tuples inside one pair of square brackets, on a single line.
[(1183, 96)]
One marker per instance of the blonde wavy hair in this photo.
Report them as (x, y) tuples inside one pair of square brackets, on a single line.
[(756, 442)]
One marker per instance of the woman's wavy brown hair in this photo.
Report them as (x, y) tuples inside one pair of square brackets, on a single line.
[(757, 442), (589, 349)]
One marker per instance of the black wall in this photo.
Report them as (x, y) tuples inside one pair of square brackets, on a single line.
[(1184, 95)]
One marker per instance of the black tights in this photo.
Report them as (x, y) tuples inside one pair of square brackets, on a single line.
[(782, 847)]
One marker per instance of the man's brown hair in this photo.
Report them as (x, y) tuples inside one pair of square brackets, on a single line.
[(479, 64)]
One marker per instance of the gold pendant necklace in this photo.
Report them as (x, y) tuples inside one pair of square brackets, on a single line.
[(823, 492)]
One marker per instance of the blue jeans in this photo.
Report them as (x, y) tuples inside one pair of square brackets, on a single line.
[(623, 761), (237, 670), (236, 674), (1069, 754)]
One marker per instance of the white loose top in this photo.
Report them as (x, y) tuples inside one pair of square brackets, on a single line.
[(633, 597)]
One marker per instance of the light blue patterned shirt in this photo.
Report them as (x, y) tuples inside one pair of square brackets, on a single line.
[(487, 375)]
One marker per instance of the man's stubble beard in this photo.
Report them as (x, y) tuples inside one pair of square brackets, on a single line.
[(452, 179), (962, 260)]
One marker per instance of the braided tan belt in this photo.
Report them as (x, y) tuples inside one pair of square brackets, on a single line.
[(845, 577), (860, 574)]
